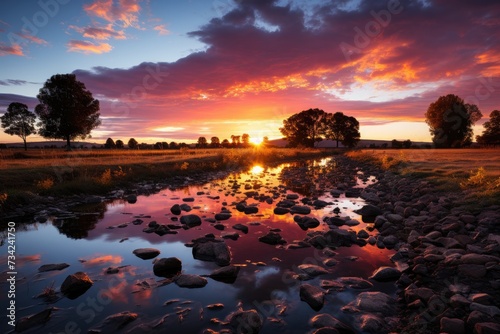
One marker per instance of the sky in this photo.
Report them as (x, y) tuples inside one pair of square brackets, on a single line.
[(166, 70)]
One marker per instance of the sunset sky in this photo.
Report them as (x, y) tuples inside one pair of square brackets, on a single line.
[(177, 70)]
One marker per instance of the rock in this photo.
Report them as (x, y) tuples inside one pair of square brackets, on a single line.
[(281, 211), (459, 301), (251, 210), (188, 199), (306, 222), (217, 252), (241, 227), (191, 220), (390, 240), (185, 207), (330, 262), (473, 258), (146, 253), (131, 199), (472, 270), (352, 222), (272, 238), (167, 267), (75, 285), (487, 328), (326, 320), (386, 274), (490, 310), (481, 298), (394, 218), (375, 302), (33, 320), (292, 196), (190, 281), (363, 234), (312, 295), (370, 323), (356, 282), (51, 267), (245, 322), (338, 237), (452, 325), (115, 322), (326, 330), (222, 216), (369, 211), (313, 270), (232, 236), (320, 204), (226, 274), (300, 209), (176, 209)]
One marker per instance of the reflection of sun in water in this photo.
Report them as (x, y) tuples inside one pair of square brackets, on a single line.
[(256, 169), (256, 140)]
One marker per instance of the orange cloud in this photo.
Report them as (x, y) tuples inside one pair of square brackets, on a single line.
[(15, 50), (112, 259), (34, 39), (490, 59), (125, 11), (88, 47), (100, 33)]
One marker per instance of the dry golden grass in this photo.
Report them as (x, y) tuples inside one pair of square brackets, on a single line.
[(476, 172)]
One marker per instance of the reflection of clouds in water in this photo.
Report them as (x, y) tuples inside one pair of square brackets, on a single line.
[(111, 259), (262, 274)]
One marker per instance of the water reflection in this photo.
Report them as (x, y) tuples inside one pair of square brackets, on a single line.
[(103, 236)]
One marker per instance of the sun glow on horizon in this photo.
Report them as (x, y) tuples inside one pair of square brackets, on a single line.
[(256, 140)]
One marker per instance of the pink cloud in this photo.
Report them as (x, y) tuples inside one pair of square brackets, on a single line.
[(100, 33), (88, 47), (124, 12), (15, 50), (248, 71), (162, 30)]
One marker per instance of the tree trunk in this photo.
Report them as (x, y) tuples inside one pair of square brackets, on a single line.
[(25, 145), (68, 144), (337, 143)]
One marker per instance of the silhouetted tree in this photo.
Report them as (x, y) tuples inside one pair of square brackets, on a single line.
[(407, 143), (235, 140), (225, 143), (341, 128), (173, 145), (491, 133), (67, 109), (396, 144), (132, 143), (304, 128), (245, 139), (265, 141), (119, 144), (110, 143), (450, 121), (202, 142), (158, 146), (164, 145), (19, 121), (214, 142)]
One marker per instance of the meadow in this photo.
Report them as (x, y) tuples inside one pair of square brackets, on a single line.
[(58, 172), (474, 171)]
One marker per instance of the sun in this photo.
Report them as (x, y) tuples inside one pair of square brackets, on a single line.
[(256, 140)]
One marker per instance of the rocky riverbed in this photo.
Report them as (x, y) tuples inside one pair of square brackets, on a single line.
[(334, 246)]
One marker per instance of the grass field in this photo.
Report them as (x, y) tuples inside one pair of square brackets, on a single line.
[(58, 172), (474, 171)]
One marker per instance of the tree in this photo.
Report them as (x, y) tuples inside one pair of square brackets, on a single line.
[(225, 143), (450, 121), (202, 142), (132, 143), (491, 133), (19, 121), (214, 142), (173, 145), (265, 141), (109, 143), (304, 128), (407, 143), (341, 128), (245, 139), (235, 140), (67, 109), (119, 144)]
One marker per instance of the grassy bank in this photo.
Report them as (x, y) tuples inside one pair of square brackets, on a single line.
[(475, 172), (59, 173)]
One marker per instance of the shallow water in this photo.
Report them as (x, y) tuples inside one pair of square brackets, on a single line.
[(97, 243)]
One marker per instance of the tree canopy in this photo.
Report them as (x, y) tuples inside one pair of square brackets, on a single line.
[(67, 109), (491, 133), (313, 125), (450, 121), (132, 143), (19, 121)]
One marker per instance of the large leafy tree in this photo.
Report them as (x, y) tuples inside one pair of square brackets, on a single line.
[(67, 109), (132, 143), (19, 121), (202, 142), (491, 133), (215, 142), (450, 121), (304, 128), (342, 128)]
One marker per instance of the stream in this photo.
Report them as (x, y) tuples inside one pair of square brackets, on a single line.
[(101, 241)]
